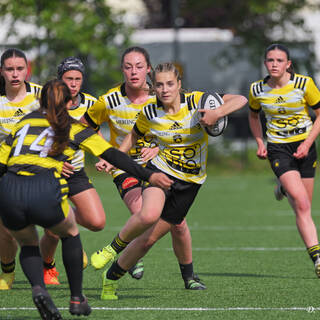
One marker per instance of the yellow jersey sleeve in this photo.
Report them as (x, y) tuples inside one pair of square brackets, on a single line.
[(142, 124), (312, 94), (95, 145), (254, 104), (98, 112)]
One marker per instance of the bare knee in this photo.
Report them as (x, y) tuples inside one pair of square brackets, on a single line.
[(180, 230), (147, 219), (50, 235), (303, 206), (5, 235), (96, 225)]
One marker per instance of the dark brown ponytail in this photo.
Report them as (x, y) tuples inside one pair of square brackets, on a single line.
[(55, 95)]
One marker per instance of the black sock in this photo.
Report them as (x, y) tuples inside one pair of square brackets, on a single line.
[(72, 256), (31, 264), (186, 271), (8, 267), (115, 272), (314, 252), (117, 244), (49, 265)]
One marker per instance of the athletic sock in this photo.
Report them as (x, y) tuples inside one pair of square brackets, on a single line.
[(31, 264), (115, 272), (49, 265), (314, 252), (117, 244), (8, 267), (186, 271), (72, 256)]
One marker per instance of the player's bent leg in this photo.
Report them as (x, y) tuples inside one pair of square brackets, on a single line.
[(89, 213), (182, 246), (8, 251), (129, 257), (139, 247), (301, 204), (299, 193), (181, 242), (88, 210), (48, 246), (133, 201), (73, 261), (153, 202)]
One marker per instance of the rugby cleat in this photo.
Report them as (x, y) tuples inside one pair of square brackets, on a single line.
[(79, 306), (109, 288), (100, 258), (50, 276), (279, 192), (6, 280), (85, 260), (137, 270), (194, 283), (317, 267), (44, 304)]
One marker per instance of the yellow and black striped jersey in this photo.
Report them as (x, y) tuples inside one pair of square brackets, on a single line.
[(12, 112), (76, 112), (115, 108), (25, 150), (286, 108), (182, 141)]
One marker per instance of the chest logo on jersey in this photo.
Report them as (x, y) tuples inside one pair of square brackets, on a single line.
[(175, 126), (19, 113), (280, 100), (281, 110), (177, 138)]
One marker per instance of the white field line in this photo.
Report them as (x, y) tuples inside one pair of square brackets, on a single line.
[(221, 228), (308, 309), (246, 249)]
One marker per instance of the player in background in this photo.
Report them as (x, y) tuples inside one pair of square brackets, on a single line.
[(172, 117), (33, 191), (18, 97), (120, 107), (88, 208), (285, 96)]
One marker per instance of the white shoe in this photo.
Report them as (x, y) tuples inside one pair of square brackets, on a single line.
[(317, 267), (279, 192)]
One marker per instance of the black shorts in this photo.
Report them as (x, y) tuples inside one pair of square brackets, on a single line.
[(282, 160), (78, 182), (179, 198), (126, 182), (40, 199)]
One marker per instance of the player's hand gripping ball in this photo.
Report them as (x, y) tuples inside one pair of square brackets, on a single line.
[(210, 101)]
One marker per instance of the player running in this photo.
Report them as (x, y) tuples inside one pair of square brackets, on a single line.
[(173, 118), (285, 96), (120, 107), (88, 208), (33, 192), (18, 97)]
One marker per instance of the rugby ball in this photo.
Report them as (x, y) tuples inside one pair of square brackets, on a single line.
[(213, 101)]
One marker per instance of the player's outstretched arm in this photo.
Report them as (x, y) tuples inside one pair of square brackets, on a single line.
[(124, 162)]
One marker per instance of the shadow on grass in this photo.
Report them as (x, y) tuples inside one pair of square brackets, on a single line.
[(251, 275)]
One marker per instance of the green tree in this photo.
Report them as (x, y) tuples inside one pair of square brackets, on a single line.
[(254, 23), (87, 29)]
